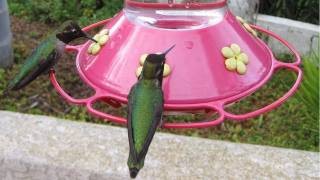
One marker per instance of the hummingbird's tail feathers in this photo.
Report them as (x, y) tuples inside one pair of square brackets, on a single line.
[(13, 87), (26, 81), (133, 172), (17, 83), (9, 87), (134, 166)]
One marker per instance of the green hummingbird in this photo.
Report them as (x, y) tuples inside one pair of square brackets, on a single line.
[(145, 108), (46, 54)]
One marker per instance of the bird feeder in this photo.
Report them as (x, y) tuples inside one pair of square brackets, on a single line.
[(206, 36)]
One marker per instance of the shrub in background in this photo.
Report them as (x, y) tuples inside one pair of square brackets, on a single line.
[(57, 11), (302, 10)]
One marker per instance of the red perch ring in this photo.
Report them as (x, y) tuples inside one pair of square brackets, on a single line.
[(199, 79)]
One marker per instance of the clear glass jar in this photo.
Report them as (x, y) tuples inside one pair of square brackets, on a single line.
[(175, 14)]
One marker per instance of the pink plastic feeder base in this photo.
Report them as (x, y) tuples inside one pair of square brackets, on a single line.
[(199, 79)]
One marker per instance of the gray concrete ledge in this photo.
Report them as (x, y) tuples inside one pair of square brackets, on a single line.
[(39, 147), (303, 36)]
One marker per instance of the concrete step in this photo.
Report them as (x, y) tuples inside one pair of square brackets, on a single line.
[(40, 147), (304, 37)]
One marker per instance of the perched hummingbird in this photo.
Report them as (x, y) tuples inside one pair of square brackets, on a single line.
[(145, 108), (46, 55)]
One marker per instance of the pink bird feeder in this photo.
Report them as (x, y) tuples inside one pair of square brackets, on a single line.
[(206, 35)]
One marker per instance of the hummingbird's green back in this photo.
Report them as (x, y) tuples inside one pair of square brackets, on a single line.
[(145, 113)]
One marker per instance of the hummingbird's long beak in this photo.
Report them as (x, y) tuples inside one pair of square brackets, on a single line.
[(88, 37), (167, 51)]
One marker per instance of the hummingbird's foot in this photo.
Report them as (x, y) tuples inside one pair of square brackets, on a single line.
[(133, 172), (161, 123)]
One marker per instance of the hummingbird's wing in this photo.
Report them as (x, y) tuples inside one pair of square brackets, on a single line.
[(129, 124), (156, 119), (43, 66), (155, 123), (43, 57)]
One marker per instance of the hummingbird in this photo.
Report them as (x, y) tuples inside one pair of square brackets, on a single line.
[(145, 108), (46, 54)]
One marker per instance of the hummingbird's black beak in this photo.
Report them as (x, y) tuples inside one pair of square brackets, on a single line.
[(167, 51), (72, 31), (88, 37)]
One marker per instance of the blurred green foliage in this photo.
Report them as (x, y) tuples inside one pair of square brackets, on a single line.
[(3, 82), (85, 11), (57, 11), (302, 10), (309, 89)]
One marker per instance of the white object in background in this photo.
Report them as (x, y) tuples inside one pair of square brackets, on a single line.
[(6, 55), (303, 36), (247, 9)]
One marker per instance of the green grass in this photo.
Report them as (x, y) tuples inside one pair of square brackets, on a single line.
[(309, 90)]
